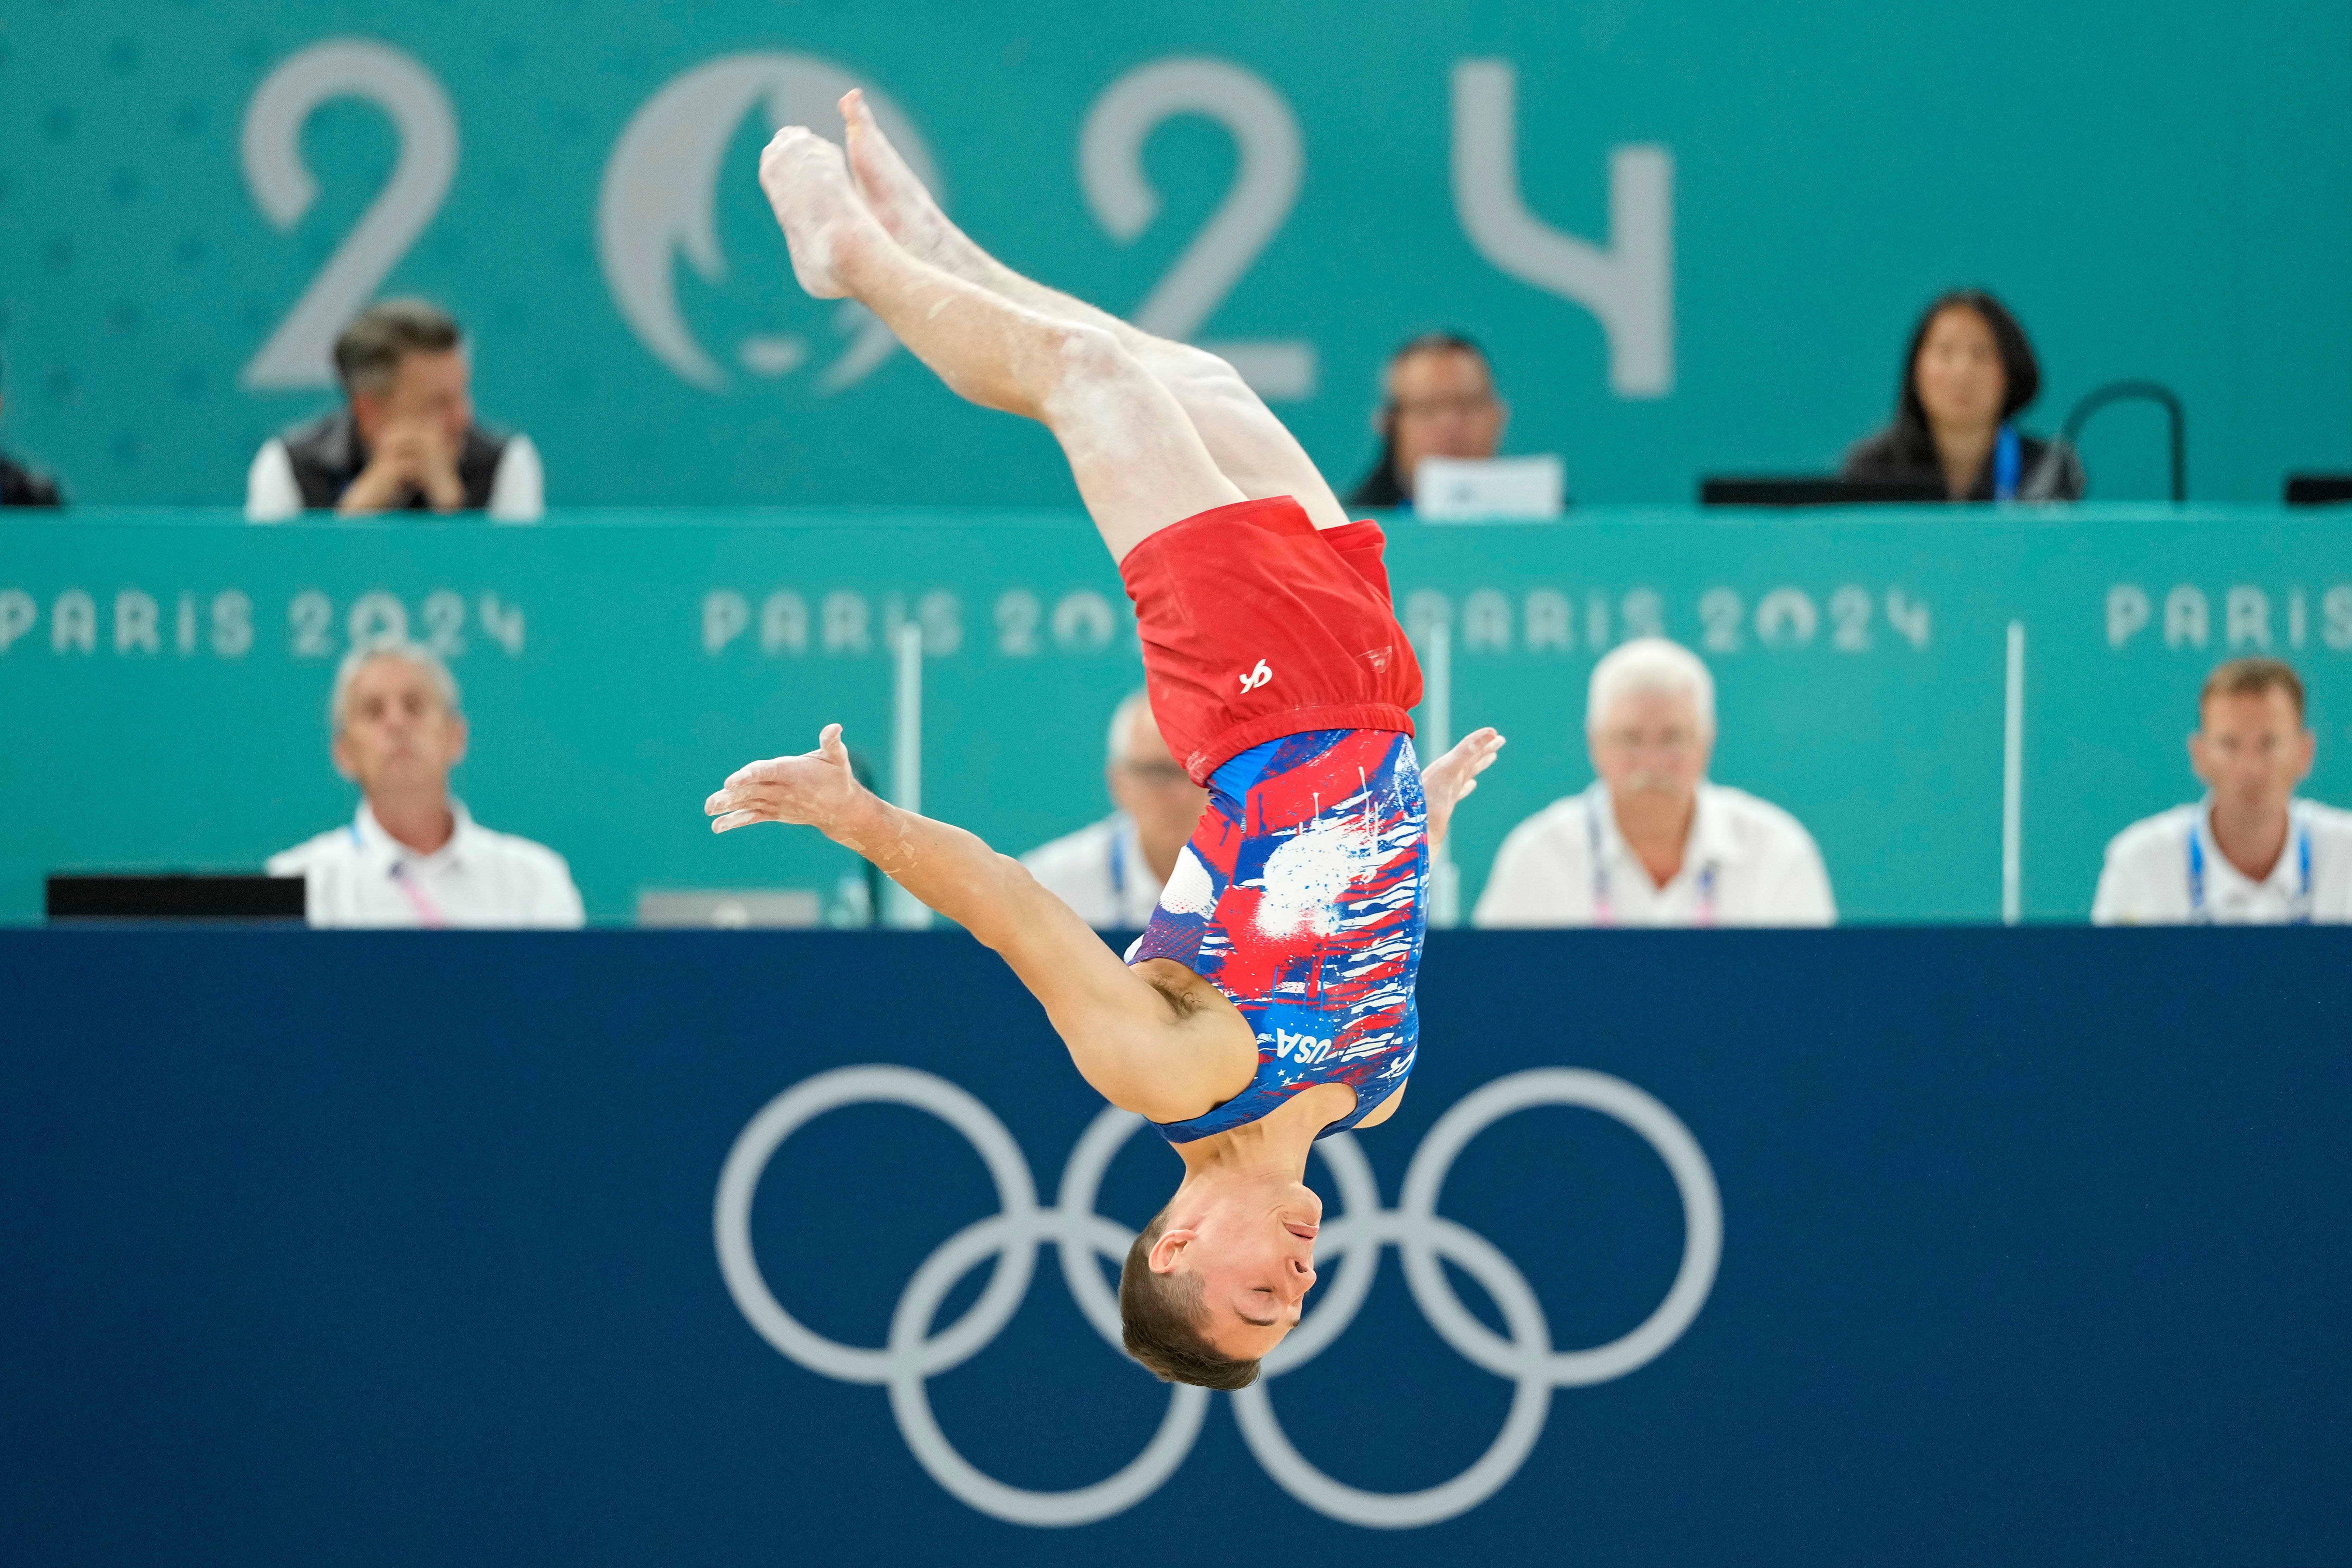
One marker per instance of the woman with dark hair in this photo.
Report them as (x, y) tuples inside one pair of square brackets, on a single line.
[(1967, 374), (20, 486), (1437, 399)]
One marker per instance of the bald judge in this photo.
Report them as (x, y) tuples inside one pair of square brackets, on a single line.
[(1111, 872)]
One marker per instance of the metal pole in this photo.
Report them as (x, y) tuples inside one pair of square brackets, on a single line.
[(2013, 780), (1437, 732), (904, 911)]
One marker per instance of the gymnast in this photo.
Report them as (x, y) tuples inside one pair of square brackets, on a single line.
[(1270, 1001)]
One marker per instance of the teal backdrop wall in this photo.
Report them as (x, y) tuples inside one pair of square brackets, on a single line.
[(163, 677), (192, 198)]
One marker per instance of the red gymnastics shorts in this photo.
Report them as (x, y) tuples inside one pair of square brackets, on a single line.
[(1256, 625)]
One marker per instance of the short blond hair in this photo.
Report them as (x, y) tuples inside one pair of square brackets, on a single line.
[(2251, 677)]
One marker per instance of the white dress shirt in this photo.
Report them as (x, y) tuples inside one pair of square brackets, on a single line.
[(1099, 871), (1747, 863), (358, 874), (518, 487), (2154, 877)]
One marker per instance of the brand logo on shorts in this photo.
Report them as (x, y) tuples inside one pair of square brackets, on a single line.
[(1256, 677)]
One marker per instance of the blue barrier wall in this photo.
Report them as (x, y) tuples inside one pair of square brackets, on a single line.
[(1771, 191), (397, 1250)]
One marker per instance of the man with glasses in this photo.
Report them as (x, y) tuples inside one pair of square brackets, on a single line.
[(2249, 852), (1110, 873), (1437, 399), (1652, 841)]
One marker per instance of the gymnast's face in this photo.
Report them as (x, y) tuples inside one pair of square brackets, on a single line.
[(1251, 1242)]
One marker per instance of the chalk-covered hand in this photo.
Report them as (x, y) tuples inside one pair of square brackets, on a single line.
[(1448, 781), (816, 789)]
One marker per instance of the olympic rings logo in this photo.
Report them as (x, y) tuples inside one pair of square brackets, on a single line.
[(913, 1353)]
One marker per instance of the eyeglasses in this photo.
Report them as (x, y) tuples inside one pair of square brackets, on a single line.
[(1158, 775), (1675, 742)]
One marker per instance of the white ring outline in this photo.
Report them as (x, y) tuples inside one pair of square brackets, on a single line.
[(1078, 1234), (1420, 1236), (909, 1359)]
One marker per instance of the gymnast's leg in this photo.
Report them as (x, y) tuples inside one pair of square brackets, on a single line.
[(1139, 463), (1248, 444)]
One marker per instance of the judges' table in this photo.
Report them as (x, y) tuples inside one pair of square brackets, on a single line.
[(1927, 1247), (165, 674)]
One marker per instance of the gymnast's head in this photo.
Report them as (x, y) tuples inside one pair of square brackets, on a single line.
[(1219, 1277)]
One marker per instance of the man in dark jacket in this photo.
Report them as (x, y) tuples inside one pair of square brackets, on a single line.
[(406, 438)]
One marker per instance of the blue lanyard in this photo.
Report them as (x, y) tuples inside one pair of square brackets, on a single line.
[(1118, 866), (2299, 910), (2008, 460), (1604, 912)]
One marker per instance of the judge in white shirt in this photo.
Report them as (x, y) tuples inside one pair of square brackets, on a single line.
[(1111, 872), (1652, 842), (2250, 853), (413, 856)]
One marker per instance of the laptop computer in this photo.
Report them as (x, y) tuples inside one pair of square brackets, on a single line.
[(174, 895), (1814, 490)]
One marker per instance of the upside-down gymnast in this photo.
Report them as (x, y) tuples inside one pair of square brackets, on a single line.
[(1270, 1001)]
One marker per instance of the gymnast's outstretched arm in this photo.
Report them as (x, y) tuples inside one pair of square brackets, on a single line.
[(1137, 1051)]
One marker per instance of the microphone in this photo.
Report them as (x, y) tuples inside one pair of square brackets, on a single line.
[(2046, 473)]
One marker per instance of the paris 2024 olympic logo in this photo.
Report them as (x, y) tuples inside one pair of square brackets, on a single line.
[(1526, 1356)]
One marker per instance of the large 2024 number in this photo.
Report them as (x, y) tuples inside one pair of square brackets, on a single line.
[(1627, 282), (297, 354), (1272, 165)]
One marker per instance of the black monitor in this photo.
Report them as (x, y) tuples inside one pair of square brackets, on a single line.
[(179, 895), (2318, 489), (1814, 490)]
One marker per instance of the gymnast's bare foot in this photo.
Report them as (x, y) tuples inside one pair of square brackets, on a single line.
[(898, 199), (824, 222)]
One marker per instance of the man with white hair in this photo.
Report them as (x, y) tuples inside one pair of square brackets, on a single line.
[(1112, 872), (1652, 841), (413, 855)]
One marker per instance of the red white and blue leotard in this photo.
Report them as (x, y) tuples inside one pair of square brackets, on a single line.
[(1278, 674), (1299, 898)]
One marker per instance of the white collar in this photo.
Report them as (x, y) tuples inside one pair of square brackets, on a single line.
[(2285, 877), (372, 837), (1709, 841)]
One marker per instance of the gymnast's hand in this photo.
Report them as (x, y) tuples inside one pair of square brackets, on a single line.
[(816, 789), (1447, 782)]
